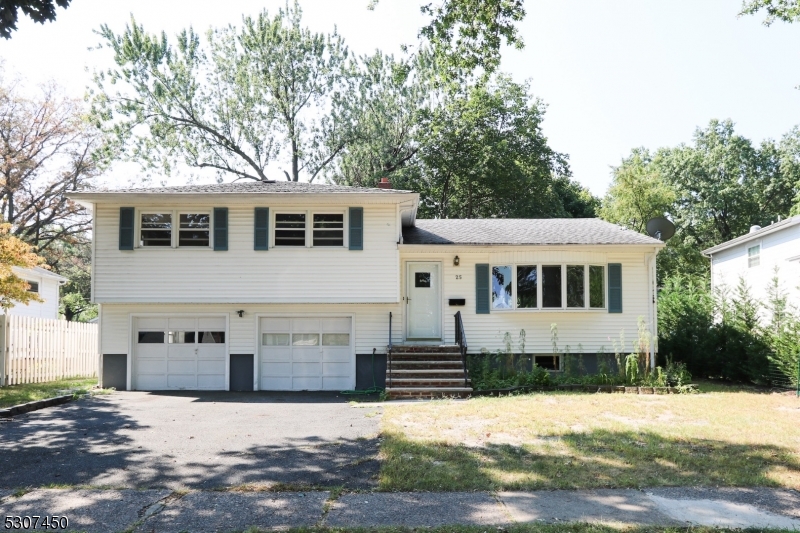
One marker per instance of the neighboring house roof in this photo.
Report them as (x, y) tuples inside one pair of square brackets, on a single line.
[(535, 231), (772, 228), (39, 271), (245, 187)]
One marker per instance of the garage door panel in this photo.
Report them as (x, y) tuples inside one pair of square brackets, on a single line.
[(152, 323), (151, 381), (151, 350), (335, 325), (271, 369), (184, 351), (211, 367), (307, 355), (336, 383), (151, 366), (307, 383), (211, 323), (307, 369), (179, 381), (338, 355), (336, 369), (275, 354), (181, 323), (211, 382), (276, 383), (177, 366), (276, 325), (305, 325)]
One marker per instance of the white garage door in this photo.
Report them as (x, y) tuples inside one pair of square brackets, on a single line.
[(179, 353), (307, 354)]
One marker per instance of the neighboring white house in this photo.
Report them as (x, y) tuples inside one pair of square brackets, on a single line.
[(290, 286), (755, 258), (44, 283)]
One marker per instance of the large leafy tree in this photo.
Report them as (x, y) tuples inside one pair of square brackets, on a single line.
[(40, 11), (713, 189), (46, 151), (482, 154), (785, 10), (236, 102)]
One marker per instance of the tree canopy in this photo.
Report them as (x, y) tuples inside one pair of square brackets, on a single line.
[(40, 11), (784, 10), (15, 253)]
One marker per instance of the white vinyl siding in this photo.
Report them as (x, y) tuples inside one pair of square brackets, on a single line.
[(48, 291), (241, 274)]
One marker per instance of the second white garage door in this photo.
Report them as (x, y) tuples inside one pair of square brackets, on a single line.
[(307, 354)]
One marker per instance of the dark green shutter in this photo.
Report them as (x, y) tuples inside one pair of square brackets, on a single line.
[(221, 229), (614, 288), (261, 229), (482, 289), (126, 228), (356, 220)]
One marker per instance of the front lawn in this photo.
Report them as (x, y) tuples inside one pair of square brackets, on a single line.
[(17, 394), (565, 440)]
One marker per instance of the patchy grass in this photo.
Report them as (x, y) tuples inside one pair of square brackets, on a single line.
[(520, 528), (17, 394), (564, 440)]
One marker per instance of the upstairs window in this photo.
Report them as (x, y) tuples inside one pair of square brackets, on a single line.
[(754, 256), (33, 286), (290, 229), (328, 230), (194, 229), (156, 229)]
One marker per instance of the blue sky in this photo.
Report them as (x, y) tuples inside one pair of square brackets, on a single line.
[(615, 74)]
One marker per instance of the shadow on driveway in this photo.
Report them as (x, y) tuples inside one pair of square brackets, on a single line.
[(149, 440)]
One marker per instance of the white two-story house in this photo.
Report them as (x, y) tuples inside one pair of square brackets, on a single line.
[(759, 256), (295, 286)]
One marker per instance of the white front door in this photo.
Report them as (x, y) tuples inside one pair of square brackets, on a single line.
[(424, 301)]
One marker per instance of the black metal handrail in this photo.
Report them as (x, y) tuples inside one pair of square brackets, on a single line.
[(389, 352), (461, 340)]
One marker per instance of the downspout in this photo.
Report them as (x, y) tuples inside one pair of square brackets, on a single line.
[(653, 309)]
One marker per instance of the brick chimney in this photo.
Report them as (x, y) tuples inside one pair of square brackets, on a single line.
[(385, 184)]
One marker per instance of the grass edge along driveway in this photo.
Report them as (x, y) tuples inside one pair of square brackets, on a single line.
[(580, 441), (11, 395)]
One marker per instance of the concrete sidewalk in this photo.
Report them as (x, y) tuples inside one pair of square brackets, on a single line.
[(163, 511)]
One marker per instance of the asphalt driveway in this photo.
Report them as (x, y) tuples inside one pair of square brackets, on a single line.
[(200, 440)]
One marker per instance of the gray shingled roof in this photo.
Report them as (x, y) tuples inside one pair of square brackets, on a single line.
[(522, 231), (248, 187)]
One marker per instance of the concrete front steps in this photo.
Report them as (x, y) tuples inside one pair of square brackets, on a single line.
[(420, 371)]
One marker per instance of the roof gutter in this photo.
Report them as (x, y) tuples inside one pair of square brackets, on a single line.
[(772, 228)]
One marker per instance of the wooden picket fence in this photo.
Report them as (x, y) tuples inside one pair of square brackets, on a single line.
[(40, 349)]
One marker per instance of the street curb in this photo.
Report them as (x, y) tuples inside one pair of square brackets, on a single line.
[(34, 406)]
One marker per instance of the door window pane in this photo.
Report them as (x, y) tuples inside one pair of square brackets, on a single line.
[(576, 287), (212, 337), (290, 229), (275, 339), (181, 337), (422, 280), (328, 230), (151, 337), (156, 230), (194, 229), (597, 286), (336, 339), (501, 287), (305, 339), (526, 287), (551, 286)]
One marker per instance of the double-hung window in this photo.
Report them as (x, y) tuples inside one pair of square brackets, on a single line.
[(290, 229), (33, 286), (156, 229), (307, 228), (754, 256), (548, 286)]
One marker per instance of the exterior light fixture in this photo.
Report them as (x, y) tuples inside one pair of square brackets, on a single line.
[(240, 313), (456, 261)]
